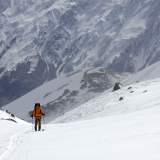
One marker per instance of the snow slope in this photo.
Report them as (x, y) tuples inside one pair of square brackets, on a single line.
[(123, 130), (10, 132), (135, 97), (4, 115), (148, 73), (66, 93), (46, 95)]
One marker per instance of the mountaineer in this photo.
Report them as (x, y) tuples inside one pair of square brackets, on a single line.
[(37, 112)]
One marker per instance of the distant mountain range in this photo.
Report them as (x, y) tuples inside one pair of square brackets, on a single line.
[(43, 39)]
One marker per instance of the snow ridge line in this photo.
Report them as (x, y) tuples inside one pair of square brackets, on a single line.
[(12, 144)]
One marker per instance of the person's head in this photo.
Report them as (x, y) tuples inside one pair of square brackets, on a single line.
[(37, 105)]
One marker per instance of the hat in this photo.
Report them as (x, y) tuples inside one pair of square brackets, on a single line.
[(37, 104)]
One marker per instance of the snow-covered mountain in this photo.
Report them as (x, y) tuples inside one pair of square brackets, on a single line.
[(7, 116), (136, 97), (135, 82), (43, 39), (66, 93), (107, 129), (148, 73)]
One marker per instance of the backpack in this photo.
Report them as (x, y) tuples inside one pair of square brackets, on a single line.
[(37, 104)]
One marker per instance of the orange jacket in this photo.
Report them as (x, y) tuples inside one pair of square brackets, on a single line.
[(38, 112)]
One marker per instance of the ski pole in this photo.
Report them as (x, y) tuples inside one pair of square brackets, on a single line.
[(32, 124), (44, 123)]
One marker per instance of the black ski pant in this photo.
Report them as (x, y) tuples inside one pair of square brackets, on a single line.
[(37, 122)]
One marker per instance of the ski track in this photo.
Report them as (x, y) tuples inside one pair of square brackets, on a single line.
[(14, 141)]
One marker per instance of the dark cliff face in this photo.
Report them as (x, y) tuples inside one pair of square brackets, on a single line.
[(40, 40), (19, 82)]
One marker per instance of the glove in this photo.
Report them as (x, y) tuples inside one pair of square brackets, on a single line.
[(43, 114), (32, 116)]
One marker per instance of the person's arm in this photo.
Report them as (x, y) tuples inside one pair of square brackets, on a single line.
[(33, 113), (42, 112)]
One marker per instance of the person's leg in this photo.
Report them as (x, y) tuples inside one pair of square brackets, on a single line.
[(40, 124), (36, 121)]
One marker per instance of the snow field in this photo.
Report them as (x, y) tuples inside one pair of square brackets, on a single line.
[(10, 133), (124, 130), (141, 95), (128, 136)]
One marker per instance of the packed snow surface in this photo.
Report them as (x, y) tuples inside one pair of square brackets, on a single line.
[(10, 133), (112, 129)]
